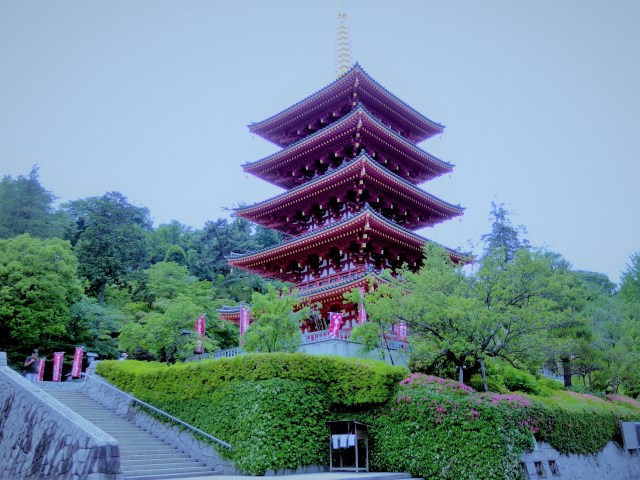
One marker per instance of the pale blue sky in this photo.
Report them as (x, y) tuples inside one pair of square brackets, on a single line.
[(152, 97)]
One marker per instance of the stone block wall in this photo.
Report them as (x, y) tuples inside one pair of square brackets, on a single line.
[(42, 438), (613, 462)]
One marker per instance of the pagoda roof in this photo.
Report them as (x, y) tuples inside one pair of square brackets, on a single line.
[(333, 292), (334, 181), (339, 93), (362, 126), (367, 221)]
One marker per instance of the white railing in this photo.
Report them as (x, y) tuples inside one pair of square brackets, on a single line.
[(231, 352), (307, 338), (322, 335)]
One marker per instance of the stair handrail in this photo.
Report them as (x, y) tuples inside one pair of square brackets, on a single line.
[(160, 412)]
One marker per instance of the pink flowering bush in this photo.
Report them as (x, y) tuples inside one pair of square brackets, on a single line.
[(623, 399), (439, 428)]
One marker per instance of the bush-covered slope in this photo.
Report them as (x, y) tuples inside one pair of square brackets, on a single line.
[(272, 408)]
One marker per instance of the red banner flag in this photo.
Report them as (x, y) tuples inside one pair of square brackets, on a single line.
[(76, 368), (402, 332), (244, 319), (200, 327), (335, 322), (40, 369), (57, 366), (362, 313)]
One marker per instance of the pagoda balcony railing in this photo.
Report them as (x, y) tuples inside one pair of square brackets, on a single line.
[(322, 335), (307, 338), (330, 280)]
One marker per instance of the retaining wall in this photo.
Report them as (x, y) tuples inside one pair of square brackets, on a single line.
[(613, 463), (42, 438)]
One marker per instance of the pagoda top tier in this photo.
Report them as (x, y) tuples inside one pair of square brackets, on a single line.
[(337, 99), (342, 141)]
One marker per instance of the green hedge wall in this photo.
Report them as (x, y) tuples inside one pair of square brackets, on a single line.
[(271, 408)]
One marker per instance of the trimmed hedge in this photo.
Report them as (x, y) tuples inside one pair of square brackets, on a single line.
[(346, 382), (271, 408)]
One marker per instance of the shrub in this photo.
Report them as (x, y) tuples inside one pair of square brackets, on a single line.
[(346, 382), (272, 424), (438, 428)]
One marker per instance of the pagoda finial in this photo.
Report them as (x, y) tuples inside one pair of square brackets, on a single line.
[(344, 58)]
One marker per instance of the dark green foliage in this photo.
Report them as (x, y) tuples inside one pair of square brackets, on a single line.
[(38, 285), (26, 207), (111, 243), (272, 424)]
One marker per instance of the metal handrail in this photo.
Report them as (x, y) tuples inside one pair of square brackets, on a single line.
[(163, 413)]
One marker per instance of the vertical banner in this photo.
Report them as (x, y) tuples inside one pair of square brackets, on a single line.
[(244, 319), (57, 366), (335, 322), (402, 332), (362, 313), (76, 368), (200, 327), (40, 369)]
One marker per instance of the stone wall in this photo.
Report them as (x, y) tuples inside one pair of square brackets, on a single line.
[(613, 462), (174, 434), (42, 438)]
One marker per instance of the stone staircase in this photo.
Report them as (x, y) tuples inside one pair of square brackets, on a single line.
[(143, 456)]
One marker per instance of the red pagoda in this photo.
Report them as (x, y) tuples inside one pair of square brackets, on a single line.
[(349, 167)]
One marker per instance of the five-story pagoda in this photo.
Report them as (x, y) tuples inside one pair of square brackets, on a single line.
[(349, 167)]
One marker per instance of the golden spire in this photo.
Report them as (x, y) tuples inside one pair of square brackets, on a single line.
[(344, 59)]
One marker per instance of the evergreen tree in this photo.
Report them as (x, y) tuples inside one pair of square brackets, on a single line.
[(26, 207)]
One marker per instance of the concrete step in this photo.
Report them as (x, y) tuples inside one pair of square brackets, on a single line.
[(143, 456), (185, 471), (169, 476), (159, 463)]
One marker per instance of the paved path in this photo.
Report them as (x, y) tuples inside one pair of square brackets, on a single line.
[(313, 476)]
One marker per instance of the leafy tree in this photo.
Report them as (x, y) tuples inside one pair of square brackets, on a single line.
[(277, 321), (26, 207), (96, 326), (170, 242), (111, 242), (502, 310), (38, 285)]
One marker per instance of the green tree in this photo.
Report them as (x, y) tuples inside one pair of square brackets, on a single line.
[(277, 317), (503, 310), (96, 326), (38, 285), (26, 207), (111, 241)]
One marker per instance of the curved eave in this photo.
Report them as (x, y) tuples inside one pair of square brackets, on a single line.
[(361, 121), (335, 291), (288, 117), (356, 168), (366, 220)]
